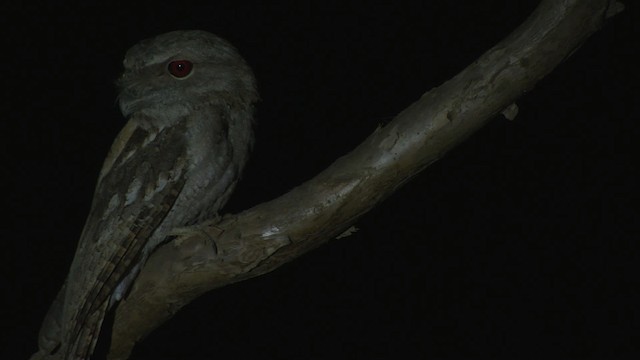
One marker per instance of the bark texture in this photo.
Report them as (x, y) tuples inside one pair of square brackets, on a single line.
[(268, 235)]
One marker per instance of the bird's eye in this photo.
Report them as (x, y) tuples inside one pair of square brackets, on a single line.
[(180, 68)]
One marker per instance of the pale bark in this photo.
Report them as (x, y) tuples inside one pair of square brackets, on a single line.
[(266, 236)]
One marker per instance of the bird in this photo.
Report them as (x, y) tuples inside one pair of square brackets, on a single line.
[(189, 98)]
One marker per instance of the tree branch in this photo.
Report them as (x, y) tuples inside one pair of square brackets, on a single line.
[(266, 236)]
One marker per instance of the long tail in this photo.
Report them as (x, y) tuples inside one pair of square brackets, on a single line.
[(55, 344), (83, 344), (50, 335)]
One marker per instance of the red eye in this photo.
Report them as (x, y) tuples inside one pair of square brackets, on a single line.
[(180, 68)]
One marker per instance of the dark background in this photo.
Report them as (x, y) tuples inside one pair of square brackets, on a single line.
[(521, 242)]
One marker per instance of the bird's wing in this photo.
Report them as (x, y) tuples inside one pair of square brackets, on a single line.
[(140, 181)]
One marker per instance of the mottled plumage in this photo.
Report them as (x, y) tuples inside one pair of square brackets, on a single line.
[(174, 163)]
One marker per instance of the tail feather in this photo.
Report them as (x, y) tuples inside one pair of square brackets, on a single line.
[(55, 344), (50, 335), (82, 345)]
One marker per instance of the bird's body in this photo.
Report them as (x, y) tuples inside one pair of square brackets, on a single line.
[(189, 99)]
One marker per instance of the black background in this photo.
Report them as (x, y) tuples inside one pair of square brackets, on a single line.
[(521, 242)]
